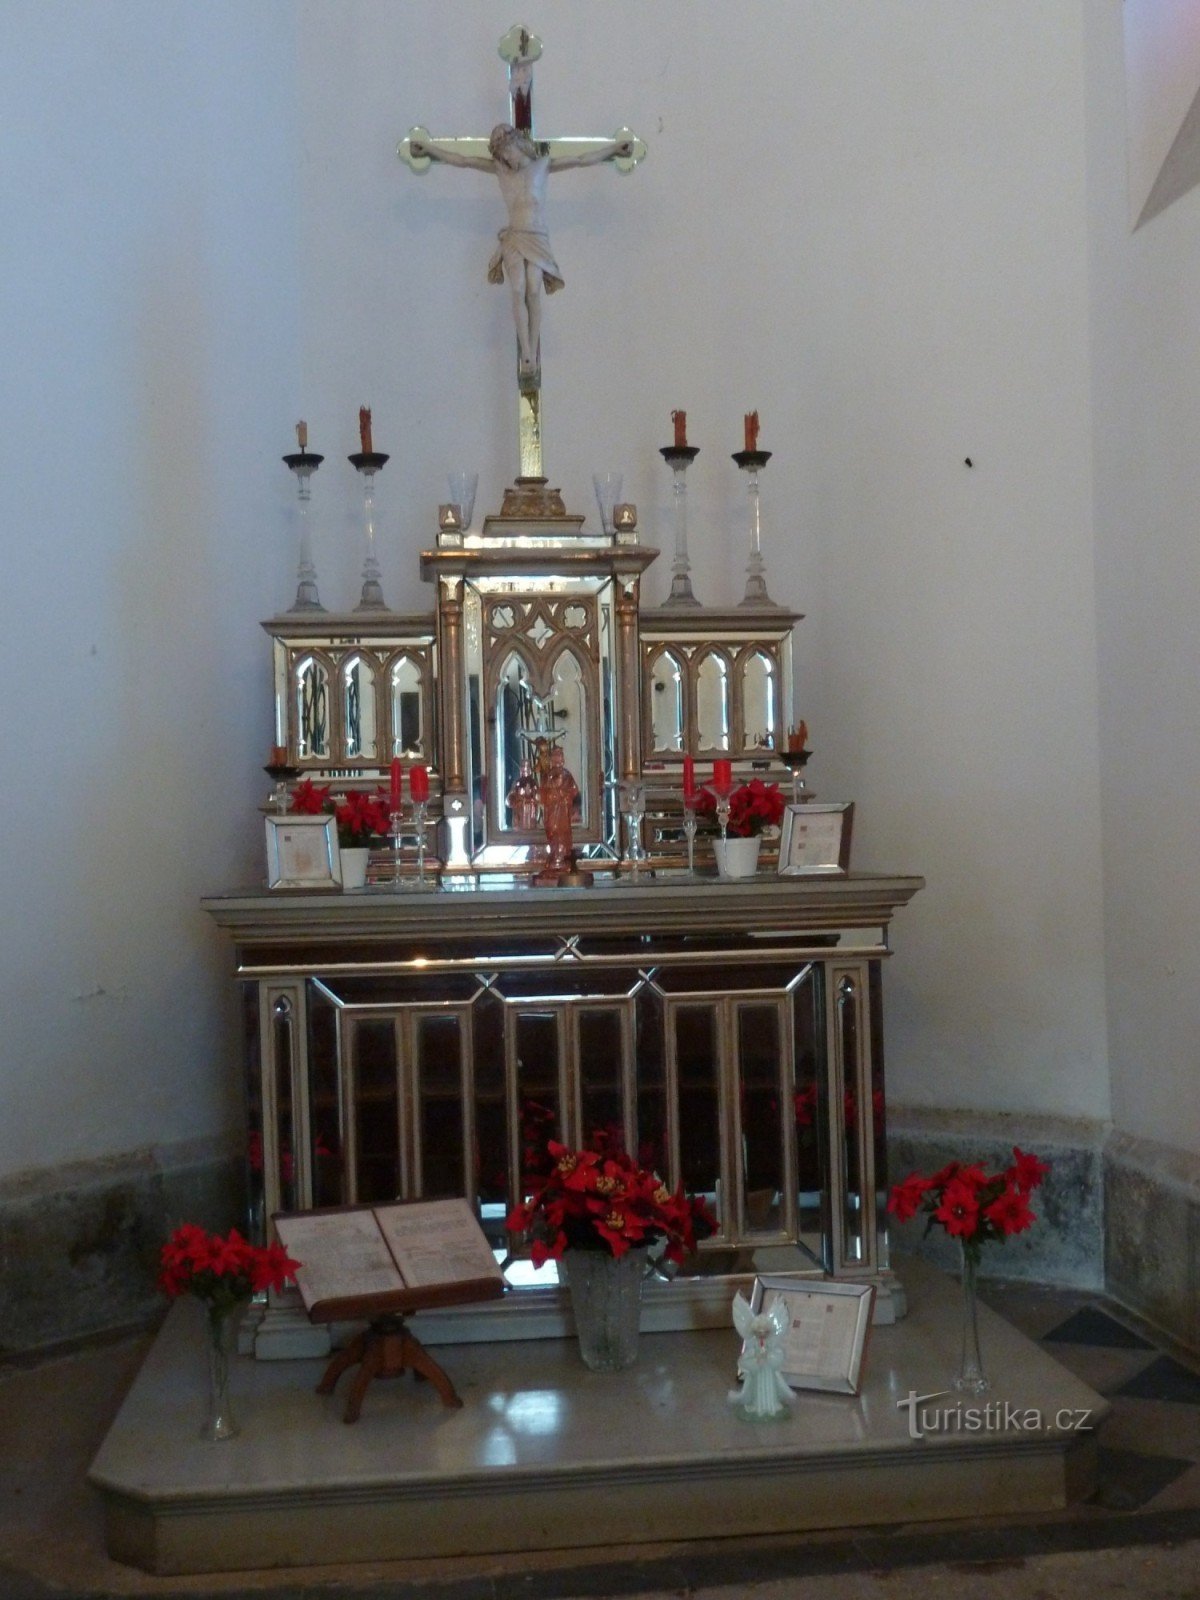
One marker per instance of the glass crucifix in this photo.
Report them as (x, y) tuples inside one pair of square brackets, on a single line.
[(522, 164)]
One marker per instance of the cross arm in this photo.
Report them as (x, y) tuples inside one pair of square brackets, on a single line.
[(419, 149), (624, 150)]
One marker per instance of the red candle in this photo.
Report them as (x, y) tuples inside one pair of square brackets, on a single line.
[(418, 783), (397, 782), (689, 780), (723, 777), (751, 424), (364, 430), (679, 418)]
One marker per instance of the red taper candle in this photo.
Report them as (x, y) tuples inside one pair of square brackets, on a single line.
[(723, 777), (397, 782), (418, 784), (689, 779)]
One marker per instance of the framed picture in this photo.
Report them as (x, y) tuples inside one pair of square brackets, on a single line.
[(816, 839), (302, 853), (828, 1324)]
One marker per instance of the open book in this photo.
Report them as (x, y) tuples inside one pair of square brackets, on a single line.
[(364, 1261)]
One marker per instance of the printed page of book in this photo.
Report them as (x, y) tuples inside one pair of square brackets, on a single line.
[(437, 1242), (342, 1256)]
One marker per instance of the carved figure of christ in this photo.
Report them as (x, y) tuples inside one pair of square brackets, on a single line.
[(524, 258), (521, 165)]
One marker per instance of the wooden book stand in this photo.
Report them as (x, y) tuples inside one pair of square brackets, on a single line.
[(385, 1349)]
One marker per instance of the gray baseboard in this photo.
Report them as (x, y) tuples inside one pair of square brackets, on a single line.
[(1066, 1246), (1152, 1234), (79, 1245)]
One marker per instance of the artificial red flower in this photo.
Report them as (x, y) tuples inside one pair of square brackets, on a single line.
[(1027, 1171), (309, 801), (221, 1270), (905, 1199), (1010, 1212), (959, 1210), (360, 818)]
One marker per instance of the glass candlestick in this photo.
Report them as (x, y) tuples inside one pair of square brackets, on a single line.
[(796, 761), (304, 464), (462, 486), (689, 829), (608, 492), (420, 811), (751, 463), (633, 804), (367, 463), (679, 458), (396, 819)]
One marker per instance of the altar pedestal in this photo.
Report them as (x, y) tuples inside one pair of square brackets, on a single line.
[(546, 1455)]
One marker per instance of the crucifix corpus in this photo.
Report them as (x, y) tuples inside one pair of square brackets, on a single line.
[(522, 164)]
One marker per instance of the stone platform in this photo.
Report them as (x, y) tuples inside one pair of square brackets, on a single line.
[(547, 1455)]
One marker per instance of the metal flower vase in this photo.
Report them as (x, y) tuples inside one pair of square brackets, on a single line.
[(971, 1376), (221, 1330), (606, 1298)]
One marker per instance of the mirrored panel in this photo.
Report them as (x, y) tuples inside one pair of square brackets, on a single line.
[(539, 1112), (600, 1043), (698, 1089), (376, 1109), (312, 710), (358, 709), (761, 1066), (528, 726), (712, 702), (666, 702), (439, 1103), (851, 1196), (758, 702), (283, 1046), (408, 731)]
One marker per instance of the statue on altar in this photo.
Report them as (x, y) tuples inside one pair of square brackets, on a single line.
[(524, 800), (522, 166), (559, 792)]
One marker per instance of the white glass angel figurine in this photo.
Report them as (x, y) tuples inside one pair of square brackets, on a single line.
[(763, 1393)]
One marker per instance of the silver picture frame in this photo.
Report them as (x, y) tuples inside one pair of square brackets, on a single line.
[(828, 1324), (815, 839), (302, 853)]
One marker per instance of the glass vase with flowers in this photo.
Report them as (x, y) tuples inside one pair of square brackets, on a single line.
[(976, 1208), (603, 1216)]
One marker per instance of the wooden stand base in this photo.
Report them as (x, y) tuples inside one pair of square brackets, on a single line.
[(384, 1350)]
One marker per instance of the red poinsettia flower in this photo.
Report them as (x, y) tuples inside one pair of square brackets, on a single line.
[(360, 818), (309, 801), (1010, 1212), (959, 1210), (905, 1198), (221, 1270), (1026, 1171)]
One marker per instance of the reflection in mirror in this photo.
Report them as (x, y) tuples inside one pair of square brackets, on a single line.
[(440, 1104), (323, 1098), (851, 1198), (575, 617), (283, 1021), (376, 1113), (666, 702), (601, 1077), (699, 1080), (758, 702), (712, 703), (358, 708), (312, 710), (407, 733), (761, 1093), (538, 1110)]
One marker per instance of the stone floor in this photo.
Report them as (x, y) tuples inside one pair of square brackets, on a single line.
[(1138, 1535)]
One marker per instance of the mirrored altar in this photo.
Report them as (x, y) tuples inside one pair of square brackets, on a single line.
[(729, 1035)]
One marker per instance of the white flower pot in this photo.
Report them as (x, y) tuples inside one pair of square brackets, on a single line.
[(354, 868), (737, 858)]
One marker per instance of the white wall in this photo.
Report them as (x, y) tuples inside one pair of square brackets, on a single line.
[(149, 286), (1146, 340), (866, 221)]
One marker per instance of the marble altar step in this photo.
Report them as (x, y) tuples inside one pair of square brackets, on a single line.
[(547, 1455)]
